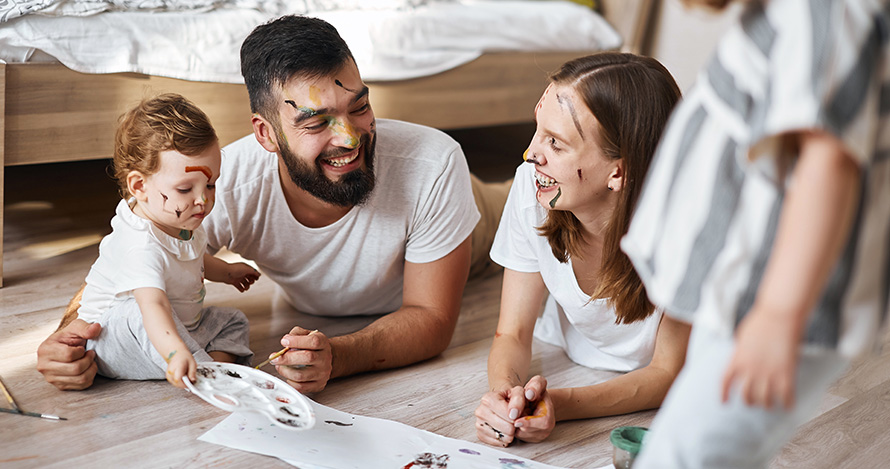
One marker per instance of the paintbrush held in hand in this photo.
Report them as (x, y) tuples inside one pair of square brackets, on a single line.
[(274, 356)]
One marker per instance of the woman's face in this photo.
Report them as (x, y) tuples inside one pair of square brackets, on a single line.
[(571, 171)]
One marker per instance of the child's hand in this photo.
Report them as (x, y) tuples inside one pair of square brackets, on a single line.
[(241, 276), (764, 361), (181, 363)]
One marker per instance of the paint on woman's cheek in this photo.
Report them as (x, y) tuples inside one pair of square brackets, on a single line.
[(553, 200), (579, 174)]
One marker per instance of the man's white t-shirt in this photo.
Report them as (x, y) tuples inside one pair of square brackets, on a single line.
[(584, 328), (137, 254), (420, 210)]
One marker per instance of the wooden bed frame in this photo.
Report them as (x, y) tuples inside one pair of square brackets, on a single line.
[(49, 113)]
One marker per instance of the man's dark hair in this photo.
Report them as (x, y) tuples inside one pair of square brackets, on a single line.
[(286, 47)]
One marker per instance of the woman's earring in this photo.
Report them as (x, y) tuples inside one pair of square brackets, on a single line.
[(610, 188)]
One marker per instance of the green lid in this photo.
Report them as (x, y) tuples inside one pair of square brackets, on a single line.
[(628, 438)]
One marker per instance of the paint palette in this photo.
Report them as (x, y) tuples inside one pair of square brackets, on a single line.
[(237, 388)]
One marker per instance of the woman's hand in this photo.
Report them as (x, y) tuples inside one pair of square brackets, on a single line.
[(538, 419), (496, 415)]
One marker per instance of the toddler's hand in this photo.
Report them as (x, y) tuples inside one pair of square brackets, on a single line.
[(241, 276), (181, 363)]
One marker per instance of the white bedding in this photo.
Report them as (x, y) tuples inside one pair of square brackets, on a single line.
[(422, 39)]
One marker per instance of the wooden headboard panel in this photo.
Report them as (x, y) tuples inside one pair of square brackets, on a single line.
[(632, 19)]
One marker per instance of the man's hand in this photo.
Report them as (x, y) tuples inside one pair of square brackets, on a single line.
[(63, 358), (307, 366)]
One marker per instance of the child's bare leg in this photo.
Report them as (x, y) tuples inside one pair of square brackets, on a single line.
[(220, 356)]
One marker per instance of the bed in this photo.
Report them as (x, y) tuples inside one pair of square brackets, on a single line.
[(444, 63)]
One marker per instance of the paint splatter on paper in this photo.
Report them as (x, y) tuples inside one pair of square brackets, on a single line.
[(339, 424), (428, 461)]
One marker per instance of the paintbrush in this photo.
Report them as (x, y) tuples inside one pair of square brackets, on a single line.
[(274, 356), (9, 398), (280, 353), (32, 414)]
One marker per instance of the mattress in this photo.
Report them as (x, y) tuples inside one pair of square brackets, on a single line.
[(413, 39)]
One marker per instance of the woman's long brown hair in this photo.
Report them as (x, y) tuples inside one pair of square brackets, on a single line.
[(631, 97)]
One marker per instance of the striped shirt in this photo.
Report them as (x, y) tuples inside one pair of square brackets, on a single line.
[(706, 221)]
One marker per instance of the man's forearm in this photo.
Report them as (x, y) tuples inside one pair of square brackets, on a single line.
[(406, 336)]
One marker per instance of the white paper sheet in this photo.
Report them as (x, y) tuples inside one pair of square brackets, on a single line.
[(344, 441)]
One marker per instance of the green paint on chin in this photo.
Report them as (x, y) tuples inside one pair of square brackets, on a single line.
[(553, 200), (185, 235)]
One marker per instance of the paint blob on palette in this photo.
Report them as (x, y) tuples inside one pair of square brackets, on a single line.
[(237, 388)]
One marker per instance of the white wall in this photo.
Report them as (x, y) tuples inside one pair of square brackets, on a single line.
[(684, 38)]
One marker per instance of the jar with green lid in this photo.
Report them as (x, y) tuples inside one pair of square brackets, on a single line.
[(626, 443)]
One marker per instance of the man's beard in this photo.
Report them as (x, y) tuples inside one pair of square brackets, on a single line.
[(353, 188)]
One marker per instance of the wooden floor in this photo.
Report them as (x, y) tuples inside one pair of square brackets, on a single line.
[(55, 215)]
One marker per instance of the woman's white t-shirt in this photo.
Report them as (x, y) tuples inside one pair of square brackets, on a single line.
[(584, 328)]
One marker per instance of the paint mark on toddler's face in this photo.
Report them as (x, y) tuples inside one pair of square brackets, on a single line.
[(203, 169), (579, 174)]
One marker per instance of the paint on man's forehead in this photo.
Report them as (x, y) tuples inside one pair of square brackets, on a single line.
[(337, 125), (340, 84), (313, 94), (204, 169), (306, 111), (567, 103)]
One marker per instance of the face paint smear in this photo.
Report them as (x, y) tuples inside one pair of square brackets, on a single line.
[(203, 169), (313, 94), (553, 200), (579, 174)]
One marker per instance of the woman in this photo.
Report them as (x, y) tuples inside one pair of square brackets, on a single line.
[(597, 127)]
